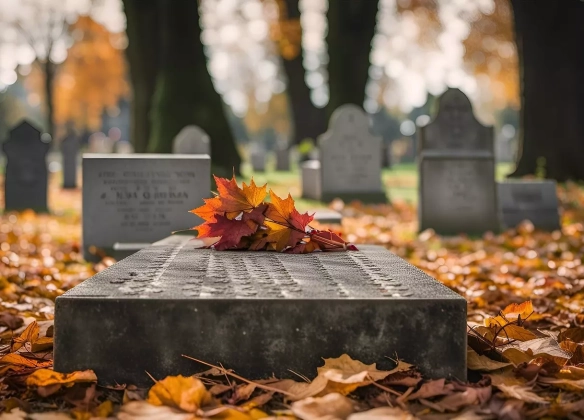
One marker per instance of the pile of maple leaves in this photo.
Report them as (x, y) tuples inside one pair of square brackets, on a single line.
[(525, 293), (240, 219)]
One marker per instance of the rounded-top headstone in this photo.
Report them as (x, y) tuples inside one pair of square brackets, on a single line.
[(192, 140)]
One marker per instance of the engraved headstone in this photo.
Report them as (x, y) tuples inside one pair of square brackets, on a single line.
[(311, 179), (532, 200), (350, 158), (70, 150), (283, 160), (26, 177), (139, 198), (192, 140), (258, 160), (457, 170), (259, 313)]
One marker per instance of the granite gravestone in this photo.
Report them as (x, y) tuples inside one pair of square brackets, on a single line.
[(258, 160), (350, 158), (192, 140), (283, 160), (26, 177), (123, 147), (133, 200), (260, 313), (327, 216), (311, 180), (457, 170), (531, 200), (70, 150)]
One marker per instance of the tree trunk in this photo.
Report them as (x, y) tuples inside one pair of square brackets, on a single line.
[(184, 90), (143, 55), (308, 120), (549, 39), (49, 69), (351, 28)]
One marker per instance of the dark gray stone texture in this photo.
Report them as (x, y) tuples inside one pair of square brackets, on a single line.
[(26, 177), (283, 160), (327, 216), (259, 313), (533, 200), (457, 171)]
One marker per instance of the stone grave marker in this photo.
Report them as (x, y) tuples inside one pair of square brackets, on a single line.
[(457, 170), (70, 146), (130, 201), (311, 180), (283, 160), (100, 143), (258, 160), (26, 176), (123, 147), (192, 140), (350, 158), (327, 216), (533, 200), (259, 313)]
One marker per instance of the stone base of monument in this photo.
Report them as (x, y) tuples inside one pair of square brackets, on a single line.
[(327, 216), (259, 313), (364, 197)]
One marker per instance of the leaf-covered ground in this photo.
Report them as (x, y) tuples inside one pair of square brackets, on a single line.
[(526, 331)]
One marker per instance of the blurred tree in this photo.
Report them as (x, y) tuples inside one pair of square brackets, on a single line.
[(184, 90), (92, 78), (549, 39), (308, 120), (42, 25), (142, 28), (351, 25)]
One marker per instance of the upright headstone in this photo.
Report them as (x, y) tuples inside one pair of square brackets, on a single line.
[(26, 178), (123, 147), (532, 200), (192, 140), (131, 200), (70, 150), (283, 160), (258, 160), (457, 170), (259, 313), (350, 158), (311, 179)]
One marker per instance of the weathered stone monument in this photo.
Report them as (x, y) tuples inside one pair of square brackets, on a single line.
[(283, 160), (258, 159), (533, 200), (260, 313), (192, 140), (311, 179), (350, 158), (123, 147), (70, 146), (457, 170), (26, 178), (130, 201)]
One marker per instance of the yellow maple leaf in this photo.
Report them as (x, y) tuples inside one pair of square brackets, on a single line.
[(46, 377), (186, 393), (511, 313)]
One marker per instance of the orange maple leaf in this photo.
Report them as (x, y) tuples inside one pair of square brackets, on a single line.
[(232, 230), (235, 200)]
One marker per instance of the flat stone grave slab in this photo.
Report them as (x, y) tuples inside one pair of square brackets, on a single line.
[(259, 313), (139, 199), (533, 200)]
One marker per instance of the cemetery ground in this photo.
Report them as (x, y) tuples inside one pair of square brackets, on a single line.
[(524, 360)]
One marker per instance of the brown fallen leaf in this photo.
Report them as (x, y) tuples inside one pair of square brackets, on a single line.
[(141, 410), (184, 393), (522, 393), (334, 406), (512, 313), (432, 389), (471, 396), (338, 375), (382, 413), (476, 362), (48, 382), (11, 321)]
